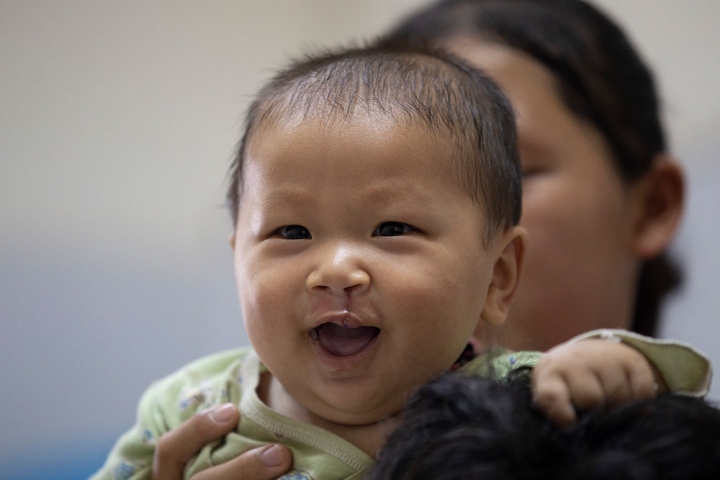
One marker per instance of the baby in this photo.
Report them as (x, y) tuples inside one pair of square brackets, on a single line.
[(376, 198)]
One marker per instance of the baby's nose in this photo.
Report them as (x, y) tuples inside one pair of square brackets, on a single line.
[(341, 270)]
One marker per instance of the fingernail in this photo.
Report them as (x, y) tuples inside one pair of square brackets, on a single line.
[(271, 456), (222, 413)]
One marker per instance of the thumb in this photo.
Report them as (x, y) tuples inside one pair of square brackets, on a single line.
[(263, 463), (175, 448)]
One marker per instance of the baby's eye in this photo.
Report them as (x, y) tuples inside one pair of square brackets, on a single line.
[(293, 232), (392, 229)]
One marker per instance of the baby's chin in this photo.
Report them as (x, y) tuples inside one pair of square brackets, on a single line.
[(369, 401), (332, 406), (358, 411), (367, 429)]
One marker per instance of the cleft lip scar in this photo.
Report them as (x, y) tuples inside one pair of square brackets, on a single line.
[(342, 318)]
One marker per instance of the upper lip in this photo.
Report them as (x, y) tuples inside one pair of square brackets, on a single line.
[(345, 318)]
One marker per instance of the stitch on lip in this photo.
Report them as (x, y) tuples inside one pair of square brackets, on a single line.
[(346, 311)]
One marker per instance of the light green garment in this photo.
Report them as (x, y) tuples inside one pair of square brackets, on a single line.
[(233, 376)]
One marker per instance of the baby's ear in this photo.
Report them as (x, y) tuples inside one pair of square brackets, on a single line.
[(658, 207), (510, 254)]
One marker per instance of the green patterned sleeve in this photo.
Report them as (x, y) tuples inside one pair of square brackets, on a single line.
[(684, 369), (499, 363)]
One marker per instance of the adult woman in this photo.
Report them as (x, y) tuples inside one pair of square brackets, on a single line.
[(602, 199)]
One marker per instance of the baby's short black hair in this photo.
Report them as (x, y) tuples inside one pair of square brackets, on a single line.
[(470, 427), (412, 85)]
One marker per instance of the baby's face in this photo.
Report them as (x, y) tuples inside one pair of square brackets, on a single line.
[(360, 263)]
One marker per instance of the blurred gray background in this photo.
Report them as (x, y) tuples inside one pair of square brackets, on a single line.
[(117, 124)]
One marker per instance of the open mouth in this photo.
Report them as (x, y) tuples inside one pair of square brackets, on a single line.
[(343, 341)]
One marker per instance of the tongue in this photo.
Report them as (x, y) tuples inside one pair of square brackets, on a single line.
[(342, 341)]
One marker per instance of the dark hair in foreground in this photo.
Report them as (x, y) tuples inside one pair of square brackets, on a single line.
[(413, 86), (600, 77), (470, 427)]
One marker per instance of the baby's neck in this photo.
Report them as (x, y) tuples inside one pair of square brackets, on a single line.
[(368, 438)]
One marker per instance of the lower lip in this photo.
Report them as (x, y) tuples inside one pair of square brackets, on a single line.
[(339, 364)]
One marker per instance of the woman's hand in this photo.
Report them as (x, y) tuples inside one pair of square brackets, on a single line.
[(177, 447)]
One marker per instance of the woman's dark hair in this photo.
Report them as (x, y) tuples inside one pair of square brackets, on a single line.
[(459, 427), (600, 77)]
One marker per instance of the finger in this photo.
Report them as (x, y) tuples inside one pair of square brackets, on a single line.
[(616, 386), (552, 397), (617, 379), (585, 389), (262, 463), (632, 378), (642, 379), (178, 446)]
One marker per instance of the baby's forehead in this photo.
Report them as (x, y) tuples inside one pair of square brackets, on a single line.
[(358, 130), (385, 155)]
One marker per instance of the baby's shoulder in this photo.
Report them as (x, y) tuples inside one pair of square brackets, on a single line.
[(217, 363)]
